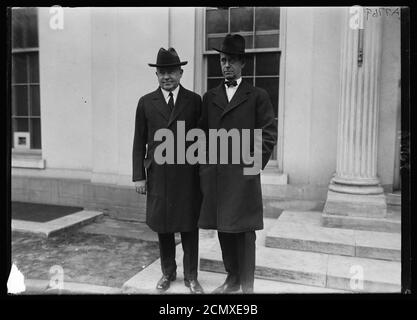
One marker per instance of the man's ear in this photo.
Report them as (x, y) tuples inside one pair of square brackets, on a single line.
[(243, 62)]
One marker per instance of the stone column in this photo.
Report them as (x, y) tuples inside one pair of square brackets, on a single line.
[(355, 189)]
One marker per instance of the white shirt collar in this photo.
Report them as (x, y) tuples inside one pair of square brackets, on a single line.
[(174, 93)]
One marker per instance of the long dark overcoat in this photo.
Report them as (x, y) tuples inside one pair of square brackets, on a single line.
[(232, 201), (173, 194)]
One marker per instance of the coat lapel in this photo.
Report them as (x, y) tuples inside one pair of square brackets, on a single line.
[(182, 100), (220, 98), (239, 97), (158, 101)]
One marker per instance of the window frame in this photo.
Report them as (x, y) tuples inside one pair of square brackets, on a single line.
[(243, 33), (201, 71), (31, 151)]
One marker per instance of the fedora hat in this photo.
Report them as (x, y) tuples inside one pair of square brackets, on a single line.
[(233, 44), (167, 58)]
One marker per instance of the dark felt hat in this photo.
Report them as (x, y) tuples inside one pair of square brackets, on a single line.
[(167, 58), (233, 44)]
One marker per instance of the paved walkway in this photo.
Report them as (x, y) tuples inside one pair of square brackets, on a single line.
[(110, 256)]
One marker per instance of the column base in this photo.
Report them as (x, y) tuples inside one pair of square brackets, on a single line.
[(356, 189), (356, 205)]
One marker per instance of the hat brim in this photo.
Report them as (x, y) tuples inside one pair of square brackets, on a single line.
[(230, 53), (168, 65)]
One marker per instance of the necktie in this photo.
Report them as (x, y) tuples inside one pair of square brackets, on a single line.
[(232, 83), (171, 101)]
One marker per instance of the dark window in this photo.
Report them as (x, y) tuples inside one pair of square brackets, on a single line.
[(267, 18), (25, 75), (241, 19), (258, 25), (217, 21)]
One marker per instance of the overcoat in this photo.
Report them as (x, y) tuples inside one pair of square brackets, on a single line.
[(232, 201), (173, 194)]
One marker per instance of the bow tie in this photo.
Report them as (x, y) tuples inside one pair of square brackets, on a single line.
[(232, 83)]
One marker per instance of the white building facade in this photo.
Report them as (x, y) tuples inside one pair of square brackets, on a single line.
[(78, 73)]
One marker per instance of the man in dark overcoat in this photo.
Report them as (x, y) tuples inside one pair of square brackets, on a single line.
[(172, 189), (232, 200)]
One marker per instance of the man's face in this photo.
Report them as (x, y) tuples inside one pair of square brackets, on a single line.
[(231, 66), (169, 78)]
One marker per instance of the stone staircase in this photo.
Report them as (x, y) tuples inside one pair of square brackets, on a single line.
[(300, 247), (145, 280), (302, 231)]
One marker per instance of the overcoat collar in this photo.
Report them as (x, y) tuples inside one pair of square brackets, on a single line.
[(241, 95), (160, 104)]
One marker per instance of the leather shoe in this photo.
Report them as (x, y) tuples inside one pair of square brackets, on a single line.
[(194, 286), (227, 287), (164, 283)]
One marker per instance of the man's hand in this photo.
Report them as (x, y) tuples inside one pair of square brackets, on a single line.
[(140, 186)]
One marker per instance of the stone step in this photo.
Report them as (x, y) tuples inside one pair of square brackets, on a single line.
[(389, 224), (41, 287), (376, 275), (378, 245), (394, 212), (56, 226), (393, 198), (273, 208), (303, 231), (294, 192), (316, 269), (145, 280)]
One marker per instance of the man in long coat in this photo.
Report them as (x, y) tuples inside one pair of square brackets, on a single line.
[(232, 200), (173, 194)]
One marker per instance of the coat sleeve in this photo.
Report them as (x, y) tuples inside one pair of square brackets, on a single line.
[(139, 143), (265, 120)]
